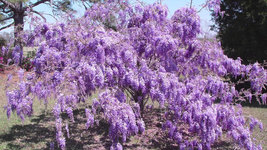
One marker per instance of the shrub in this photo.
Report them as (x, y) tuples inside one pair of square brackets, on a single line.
[(27, 63)]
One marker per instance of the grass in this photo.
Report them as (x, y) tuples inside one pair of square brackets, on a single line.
[(38, 131), (13, 125), (260, 114)]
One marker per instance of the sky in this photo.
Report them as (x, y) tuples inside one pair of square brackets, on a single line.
[(173, 5)]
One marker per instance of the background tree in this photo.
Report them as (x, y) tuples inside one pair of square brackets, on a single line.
[(12, 12), (243, 29), (16, 10)]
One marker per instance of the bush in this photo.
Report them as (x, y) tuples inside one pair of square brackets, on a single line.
[(27, 63)]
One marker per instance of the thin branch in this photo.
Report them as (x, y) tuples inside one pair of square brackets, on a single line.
[(50, 15), (39, 14), (191, 3), (5, 65), (141, 3), (85, 7), (9, 4), (206, 4), (6, 11), (6, 26), (37, 3), (6, 19), (4, 7)]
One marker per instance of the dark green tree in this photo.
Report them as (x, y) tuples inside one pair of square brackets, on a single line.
[(242, 29)]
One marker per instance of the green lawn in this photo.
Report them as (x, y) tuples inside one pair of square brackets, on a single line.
[(11, 128), (260, 114)]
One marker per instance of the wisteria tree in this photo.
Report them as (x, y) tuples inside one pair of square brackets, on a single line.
[(149, 57)]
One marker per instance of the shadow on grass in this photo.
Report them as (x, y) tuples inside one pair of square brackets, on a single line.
[(41, 132), (22, 136)]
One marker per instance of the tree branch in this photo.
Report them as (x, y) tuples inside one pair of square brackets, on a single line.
[(37, 3), (9, 4), (45, 14), (6, 26), (6, 19), (205, 5), (39, 14), (85, 7), (8, 11), (3, 7), (51, 16)]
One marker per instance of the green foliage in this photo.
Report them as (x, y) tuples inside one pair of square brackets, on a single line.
[(27, 61), (243, 29)]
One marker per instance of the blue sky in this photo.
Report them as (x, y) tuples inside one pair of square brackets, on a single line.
[(173, 5)]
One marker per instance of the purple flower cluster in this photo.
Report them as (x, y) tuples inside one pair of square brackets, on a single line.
[(214, 5), (185, 27), (17, 54), (121, 117), (90, 119)]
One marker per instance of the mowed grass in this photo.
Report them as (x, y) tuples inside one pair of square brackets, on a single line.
[(260, 114), (38, 131), (14, 122)]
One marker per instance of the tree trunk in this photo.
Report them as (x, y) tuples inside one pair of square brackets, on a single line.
[(18, 28)]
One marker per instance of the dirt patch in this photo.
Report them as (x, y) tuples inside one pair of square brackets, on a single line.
[(10, 70)]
